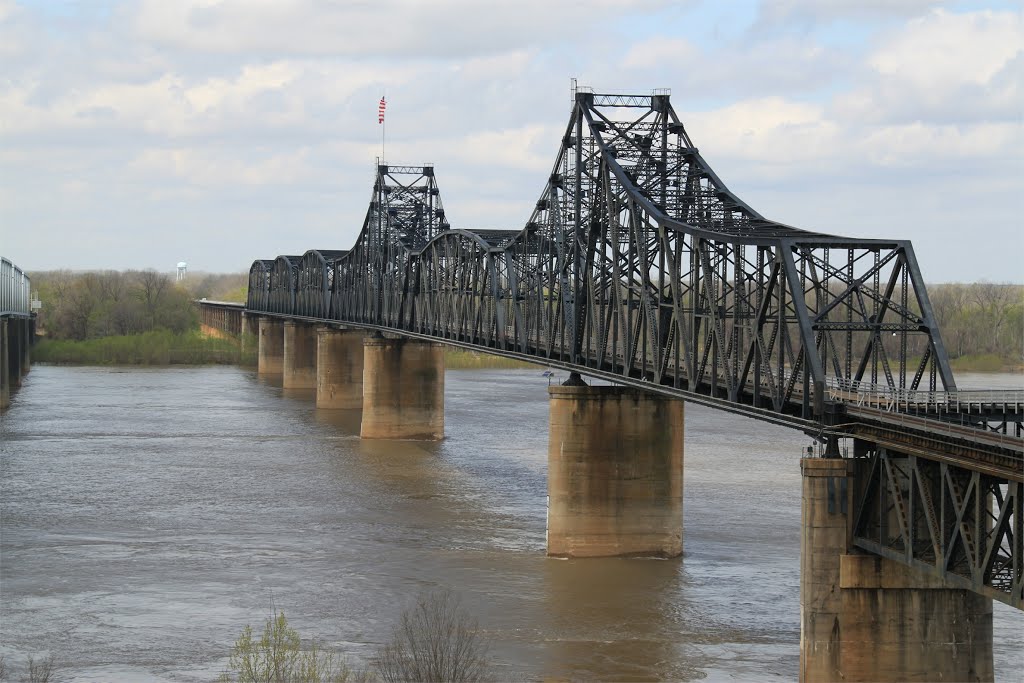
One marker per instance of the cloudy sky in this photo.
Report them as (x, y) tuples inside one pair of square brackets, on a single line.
[(138, 134)]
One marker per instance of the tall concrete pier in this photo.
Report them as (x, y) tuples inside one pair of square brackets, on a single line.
[(270, 360), (865, 618), (403, 389), (299, 367), (615, 473), (339, 369)]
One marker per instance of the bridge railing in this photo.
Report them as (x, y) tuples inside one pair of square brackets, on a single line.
[(895, 399), (15, 289)]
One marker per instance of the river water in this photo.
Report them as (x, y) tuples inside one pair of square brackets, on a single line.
[(148, 515)]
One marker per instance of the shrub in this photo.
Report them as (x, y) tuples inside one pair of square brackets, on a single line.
[(278, 657), (435, 641)]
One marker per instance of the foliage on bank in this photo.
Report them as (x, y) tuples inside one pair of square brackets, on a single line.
[(982, 324), (90, 305), (94, 304), (161, 347), (463, 359)]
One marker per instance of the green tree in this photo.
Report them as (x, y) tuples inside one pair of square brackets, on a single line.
[(277, 657)]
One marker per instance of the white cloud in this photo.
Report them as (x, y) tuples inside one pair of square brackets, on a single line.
[(205, 169), (943, 50), (269, 95), (506, 66), (814, 11), (771, 131), (917, 145), (657, 50), (946, 68), (383, 28), (516, 148)]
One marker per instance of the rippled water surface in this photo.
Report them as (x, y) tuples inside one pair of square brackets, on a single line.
[(146, 516)]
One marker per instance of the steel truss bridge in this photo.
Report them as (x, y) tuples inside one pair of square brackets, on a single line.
[(639, 265)]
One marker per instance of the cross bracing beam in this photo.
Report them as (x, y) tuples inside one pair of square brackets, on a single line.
[(960, 524)]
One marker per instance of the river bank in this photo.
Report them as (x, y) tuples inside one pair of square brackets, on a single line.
[(163, 348)]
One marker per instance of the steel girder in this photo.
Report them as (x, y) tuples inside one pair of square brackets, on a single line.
[(637, 261), (956, 523)]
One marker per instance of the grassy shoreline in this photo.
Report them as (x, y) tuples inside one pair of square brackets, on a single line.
[(160, 348), (987, 362)]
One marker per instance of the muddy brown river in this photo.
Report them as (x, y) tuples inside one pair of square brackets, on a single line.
[(146, 516)]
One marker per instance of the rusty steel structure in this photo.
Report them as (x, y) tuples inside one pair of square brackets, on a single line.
[(638, 264)]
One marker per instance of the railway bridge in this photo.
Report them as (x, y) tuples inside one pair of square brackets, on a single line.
[(638, 265)]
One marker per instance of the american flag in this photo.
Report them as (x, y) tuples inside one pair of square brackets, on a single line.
[(380, 110)]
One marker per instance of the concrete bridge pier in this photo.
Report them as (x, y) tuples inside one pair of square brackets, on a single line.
[(300, 351), (270, 360), (866, 618), (403, 389), (339, 369), (615, 472)]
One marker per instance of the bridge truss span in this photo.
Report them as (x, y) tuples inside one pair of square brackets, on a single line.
[(636, 261), (639, 265)]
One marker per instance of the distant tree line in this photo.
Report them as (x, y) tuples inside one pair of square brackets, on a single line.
[(95, 304), (90, 305), (980, 318)]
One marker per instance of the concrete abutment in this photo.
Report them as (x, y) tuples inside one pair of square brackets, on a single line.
[(866, 618), (615, 473), (403, 389)]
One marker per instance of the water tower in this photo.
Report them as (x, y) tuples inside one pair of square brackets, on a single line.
[(182, 267)]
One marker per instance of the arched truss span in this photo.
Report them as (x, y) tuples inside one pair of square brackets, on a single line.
[(284, 279), (258, 298), (316, 282)]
